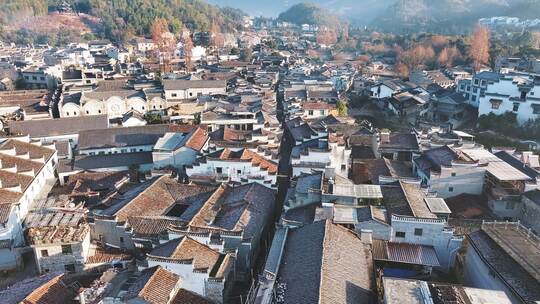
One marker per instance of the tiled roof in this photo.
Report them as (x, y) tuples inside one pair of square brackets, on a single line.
[(504, 261), (325, 263), (247, 155), (181, 84), (185, 296), (152, 226), (5, 210), (154, 285), (17, 161), (405, 253), (159, 197), (60, 126), (107, 256), (53, 292), (121, 137), (198, 139), (236, 208), (201, 256)]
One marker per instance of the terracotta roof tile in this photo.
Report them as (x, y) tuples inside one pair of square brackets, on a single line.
[(155, 285), (185, 296), (53, 292), (198, 139)]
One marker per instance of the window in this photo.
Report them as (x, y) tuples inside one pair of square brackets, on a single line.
[(418, 231), (87, 112), (400, 234), (239, 171), (523, 95), (173, 94), (321, 112), (121, 239), (69, 267), (123, 150), (133, 150), (42, 78), (343, 167), (219, 170), (516, 107), (66, 249), (510, 205), (310, 112), (44, 253), (453, 174), (99, 111), (101, 153), (190, 94), (450, 189), (34, 77), (476, 81)]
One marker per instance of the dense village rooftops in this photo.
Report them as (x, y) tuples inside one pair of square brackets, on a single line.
[(181, 84), (511, 252), (323, 263), (154, 285), (151, 227), (58, 126), (202, 257), (88, 183), (437, 158)]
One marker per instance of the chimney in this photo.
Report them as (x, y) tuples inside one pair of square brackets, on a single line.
[(366, 236), (525, 156), (331, 186), (385, 136)]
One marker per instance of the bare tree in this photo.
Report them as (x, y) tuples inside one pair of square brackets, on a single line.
[(217, 39), (164, 41), (188, 49), (479, 50)]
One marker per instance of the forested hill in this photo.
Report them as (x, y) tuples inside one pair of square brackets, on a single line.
[(450, 16), (119, 18), (307, 13)]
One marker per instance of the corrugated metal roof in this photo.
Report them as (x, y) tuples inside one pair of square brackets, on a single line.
[(405, 253)]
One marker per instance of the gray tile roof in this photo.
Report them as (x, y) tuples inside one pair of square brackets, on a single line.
[(58, 126), (121, 137), (325, 263)]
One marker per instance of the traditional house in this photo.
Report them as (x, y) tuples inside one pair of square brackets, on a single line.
[(236, 165), (201, 269), (26, 171), (178, 150), (236, 217), (504, 256), (302, 267)]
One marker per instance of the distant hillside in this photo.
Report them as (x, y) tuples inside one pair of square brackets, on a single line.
[(120, 18), (306, 13), (358, 11), (11, 10), (450, 16)]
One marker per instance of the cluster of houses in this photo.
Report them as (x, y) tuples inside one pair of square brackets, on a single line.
[(248, 182)]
